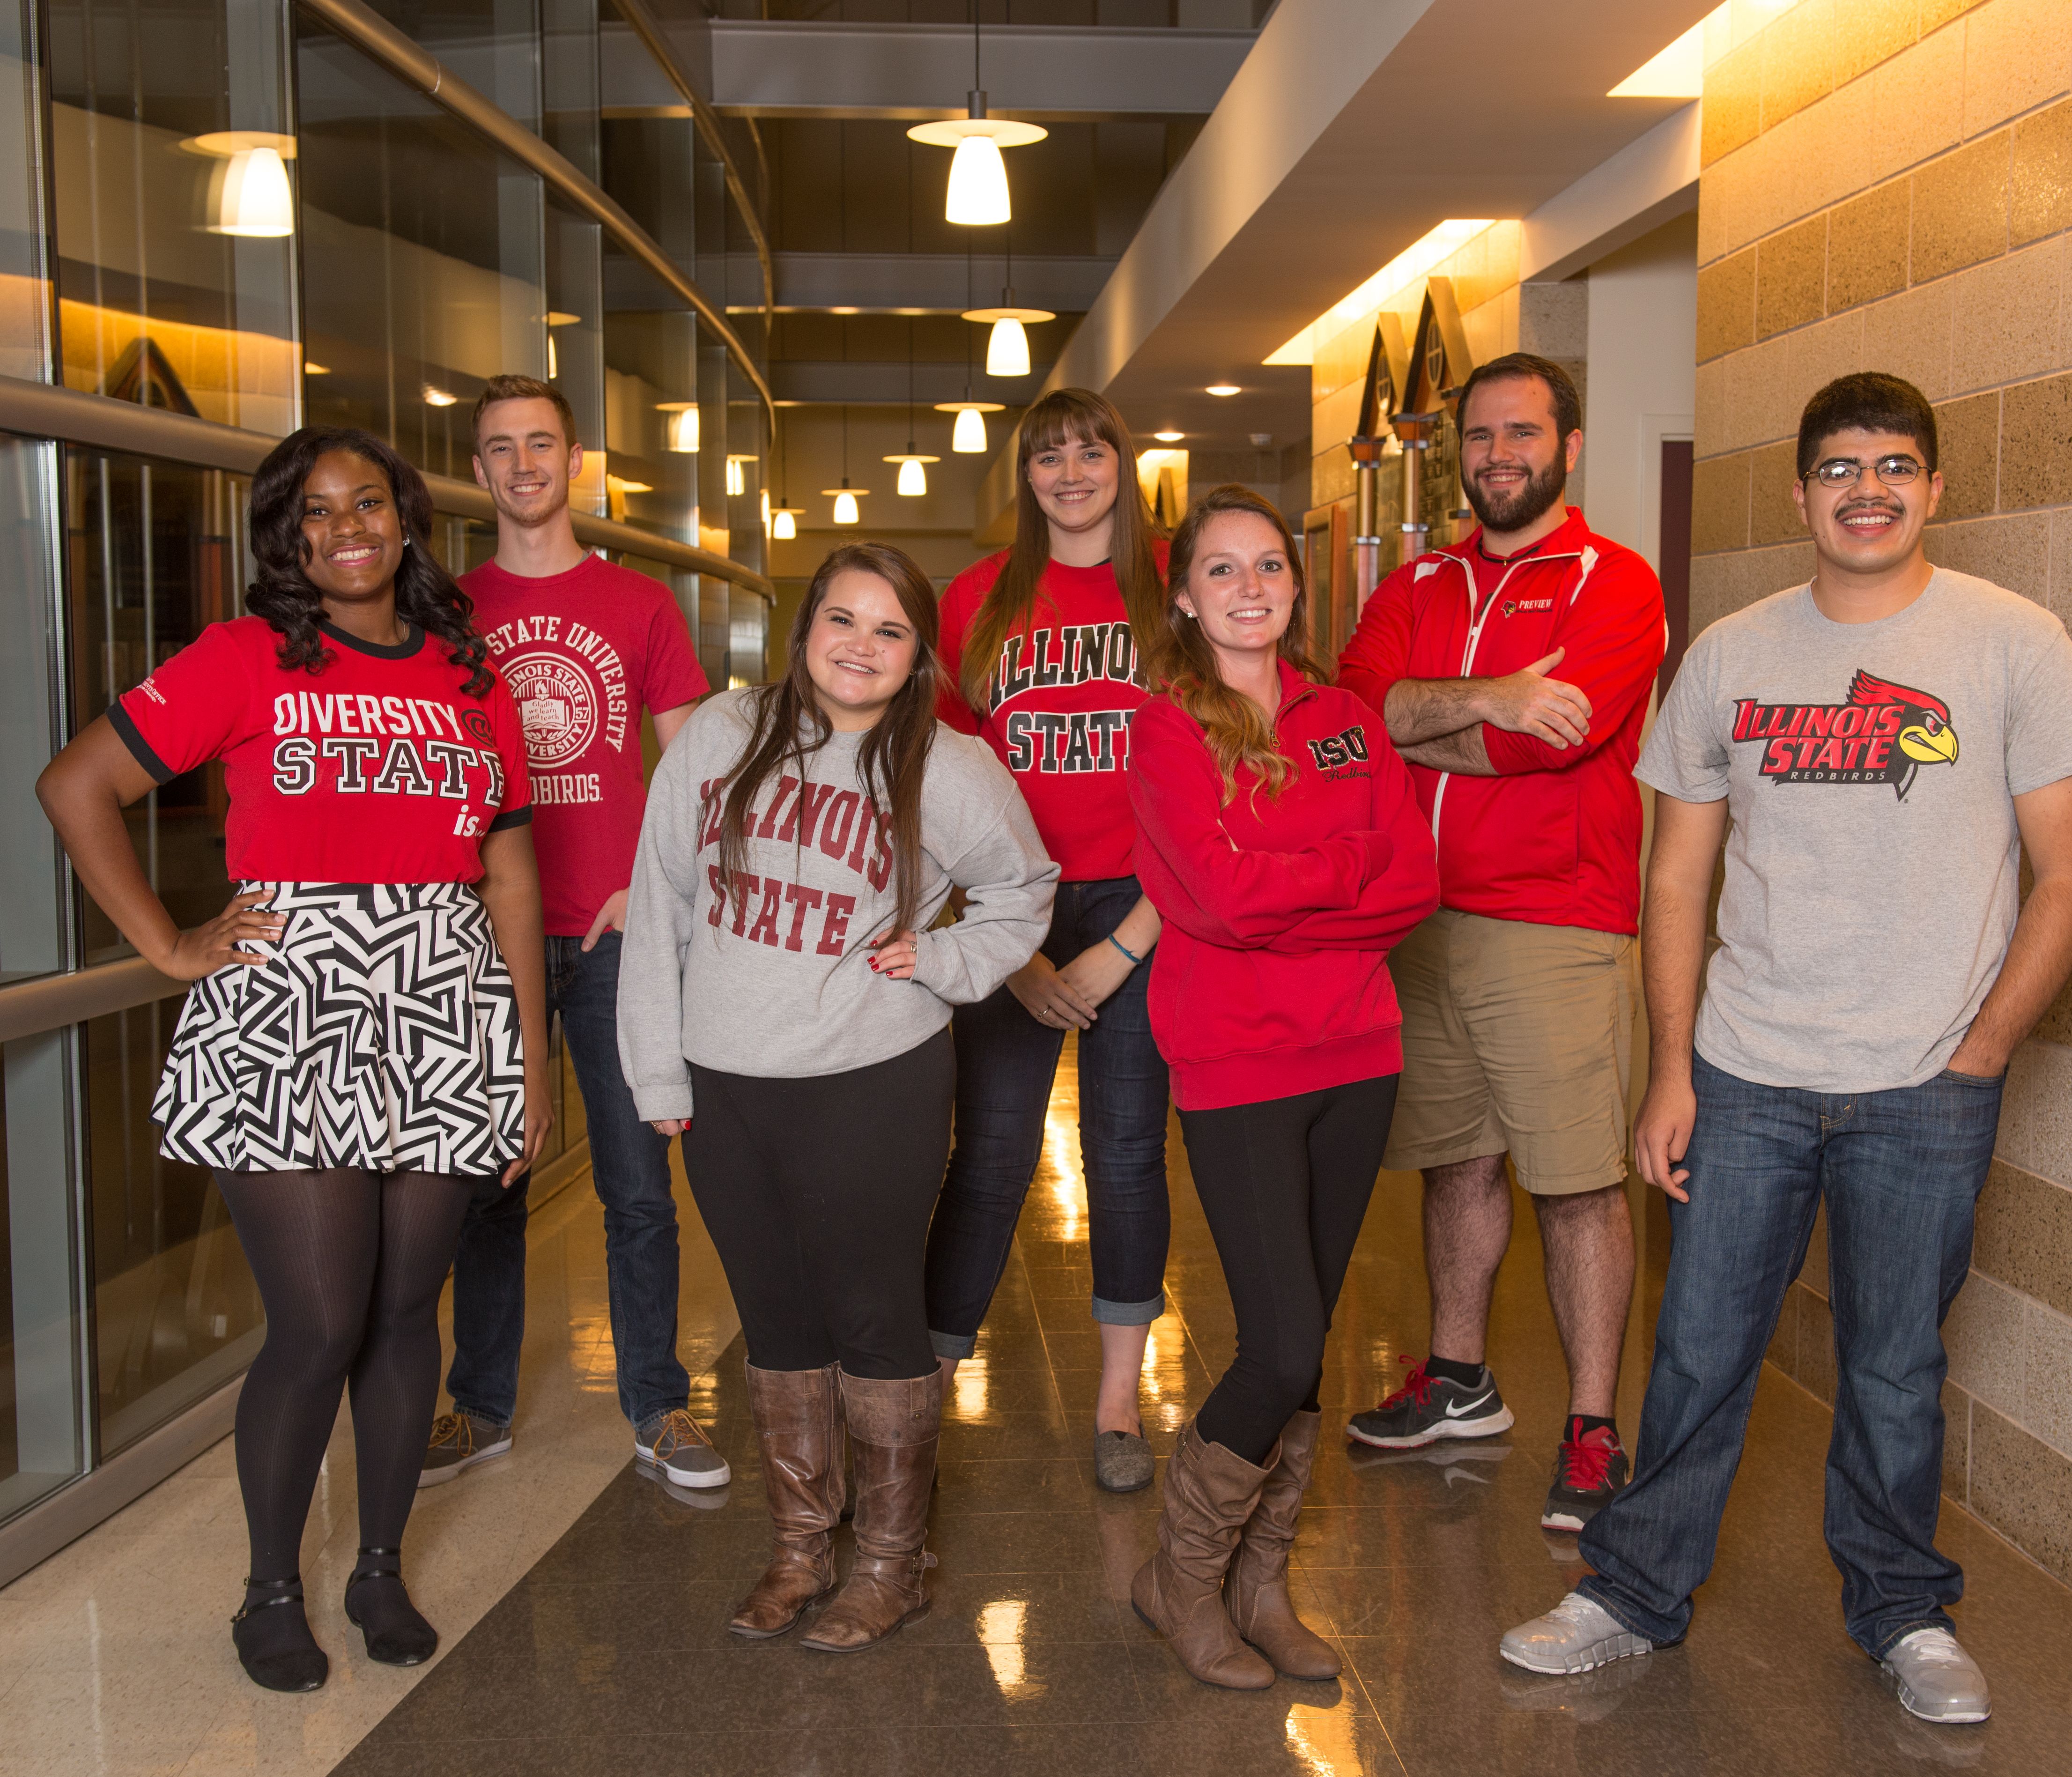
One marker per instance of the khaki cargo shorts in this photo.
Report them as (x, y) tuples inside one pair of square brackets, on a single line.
[(1517, 1039)]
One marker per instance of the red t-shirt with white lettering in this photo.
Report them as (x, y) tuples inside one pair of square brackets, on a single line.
[(378, 768), (1062, 691), (583, 652)]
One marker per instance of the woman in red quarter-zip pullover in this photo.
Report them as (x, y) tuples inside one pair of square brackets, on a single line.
[(1280, 840)]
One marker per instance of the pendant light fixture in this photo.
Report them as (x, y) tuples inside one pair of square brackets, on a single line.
[(978, 196), (1007, 346), (683, 425), (845, 497), (248, 194), (968, 437), (913, 471), (783, 519), (736, 475)]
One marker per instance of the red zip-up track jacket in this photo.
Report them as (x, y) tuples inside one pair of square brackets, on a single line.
[(1270, 977), (1554, 838)]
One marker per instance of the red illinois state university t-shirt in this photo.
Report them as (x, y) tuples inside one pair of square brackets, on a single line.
[(1062, 695), (379, 768), (583, 651)]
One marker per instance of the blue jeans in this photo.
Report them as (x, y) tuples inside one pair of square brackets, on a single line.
[(1901, 1171), (629, 1165), (1005, 1063)]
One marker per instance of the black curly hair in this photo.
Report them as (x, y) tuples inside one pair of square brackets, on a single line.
[(425, 594)]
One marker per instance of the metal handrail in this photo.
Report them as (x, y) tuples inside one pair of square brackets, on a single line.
[(365, 29), (648, 29), (43, 410), (53, 1003)]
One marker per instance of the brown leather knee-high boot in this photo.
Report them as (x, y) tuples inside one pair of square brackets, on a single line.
[(1257, 1592), (1210, 1493), (893, 1427), (798, 1423)]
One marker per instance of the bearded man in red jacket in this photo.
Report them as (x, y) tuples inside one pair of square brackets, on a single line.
[(1513, 673)]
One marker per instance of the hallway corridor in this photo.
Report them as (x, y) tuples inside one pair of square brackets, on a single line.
[(612, 1653)]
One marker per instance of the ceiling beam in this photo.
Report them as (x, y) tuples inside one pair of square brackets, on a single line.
[(862, 382), (831, 283), (798, 69)]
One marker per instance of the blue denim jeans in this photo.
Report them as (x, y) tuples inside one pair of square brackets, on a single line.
[(629, 1165), (1005, 1063), (1900, 1171)]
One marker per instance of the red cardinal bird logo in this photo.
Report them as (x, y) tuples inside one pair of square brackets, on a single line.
[(1884, 733)]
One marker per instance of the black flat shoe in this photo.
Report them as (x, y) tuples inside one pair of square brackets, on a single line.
[(271, 1635), (376, 1604)]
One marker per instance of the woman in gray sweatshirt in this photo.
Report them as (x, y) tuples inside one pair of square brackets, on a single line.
[(784, 1003)]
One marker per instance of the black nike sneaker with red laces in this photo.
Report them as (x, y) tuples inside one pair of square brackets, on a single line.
[(1589, 1467), (1427, 1408)]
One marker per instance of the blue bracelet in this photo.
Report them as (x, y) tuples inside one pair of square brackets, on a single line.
[(1125, 948)]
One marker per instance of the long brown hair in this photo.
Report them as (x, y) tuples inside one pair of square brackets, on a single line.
[(1062, 415), (1184, 665), (893, 757)]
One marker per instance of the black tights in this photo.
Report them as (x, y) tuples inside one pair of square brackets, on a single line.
[(350, 1265), (816, 1193), (1285, 1186)]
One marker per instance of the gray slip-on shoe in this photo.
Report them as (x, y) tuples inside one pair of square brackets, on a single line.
[(676, 1444), (1936, 1679), (1122, 1462), (459, 1441), (1575, 1636)]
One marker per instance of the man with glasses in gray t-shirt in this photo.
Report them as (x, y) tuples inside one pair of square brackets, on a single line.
[(1886, 741)]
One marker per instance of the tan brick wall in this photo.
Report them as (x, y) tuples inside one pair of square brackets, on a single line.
[(1888, 186)]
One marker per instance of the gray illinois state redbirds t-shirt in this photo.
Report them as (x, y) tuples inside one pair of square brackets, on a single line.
[(1872, 862)]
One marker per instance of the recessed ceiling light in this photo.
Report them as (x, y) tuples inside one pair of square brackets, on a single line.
[(1169, 437), (1224, 389)]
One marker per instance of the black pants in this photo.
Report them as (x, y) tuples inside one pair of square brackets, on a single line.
[(1284, 1185), (816, 1193)]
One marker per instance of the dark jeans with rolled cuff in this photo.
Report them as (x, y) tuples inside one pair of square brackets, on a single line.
[(1900, 1171), (630, 1166), (1006, 1062)]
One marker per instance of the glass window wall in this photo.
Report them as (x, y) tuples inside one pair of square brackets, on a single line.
[(25, 296), (424, 258), (174, 165)]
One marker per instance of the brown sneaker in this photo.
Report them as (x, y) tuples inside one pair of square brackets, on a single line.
[(676, 1444), (459, 1441)]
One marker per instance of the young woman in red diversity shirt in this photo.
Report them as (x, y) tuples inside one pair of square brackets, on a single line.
[(354, 1050), (1279, 837), (1041, 645)]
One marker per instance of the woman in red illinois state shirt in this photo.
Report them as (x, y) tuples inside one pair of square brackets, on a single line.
[(355, 1046), (1040, 645), (1279, 836)]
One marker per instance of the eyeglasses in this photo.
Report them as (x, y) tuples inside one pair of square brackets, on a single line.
[(1846, 471)]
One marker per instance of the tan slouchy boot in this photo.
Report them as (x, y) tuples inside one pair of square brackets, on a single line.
[(893, 1427), (1210, 1493), (1256, 1593), (798, 1423)]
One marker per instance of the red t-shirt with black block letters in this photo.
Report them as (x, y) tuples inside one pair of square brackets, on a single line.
[(378, 768)]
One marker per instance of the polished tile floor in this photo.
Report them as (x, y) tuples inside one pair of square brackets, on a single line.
[(610, 1653)]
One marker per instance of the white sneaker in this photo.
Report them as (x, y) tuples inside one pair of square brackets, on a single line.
[(1575, 1636), (1936, 1679)]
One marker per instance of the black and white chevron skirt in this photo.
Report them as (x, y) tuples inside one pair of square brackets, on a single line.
[(382, 1033)]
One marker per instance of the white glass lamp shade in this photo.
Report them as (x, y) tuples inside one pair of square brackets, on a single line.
[(684, 431), (968, 438), (783, 527), (255, 200), (845, 508), (913, 478), (737, 482), (978, 184), (766, 509), (1007, 349)]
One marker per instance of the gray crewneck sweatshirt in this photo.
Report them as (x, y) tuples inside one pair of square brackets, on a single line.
[(782, 986)]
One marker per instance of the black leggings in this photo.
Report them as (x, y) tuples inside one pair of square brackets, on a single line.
[(816, 1192), (350, 1265), (1284, 1185)]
